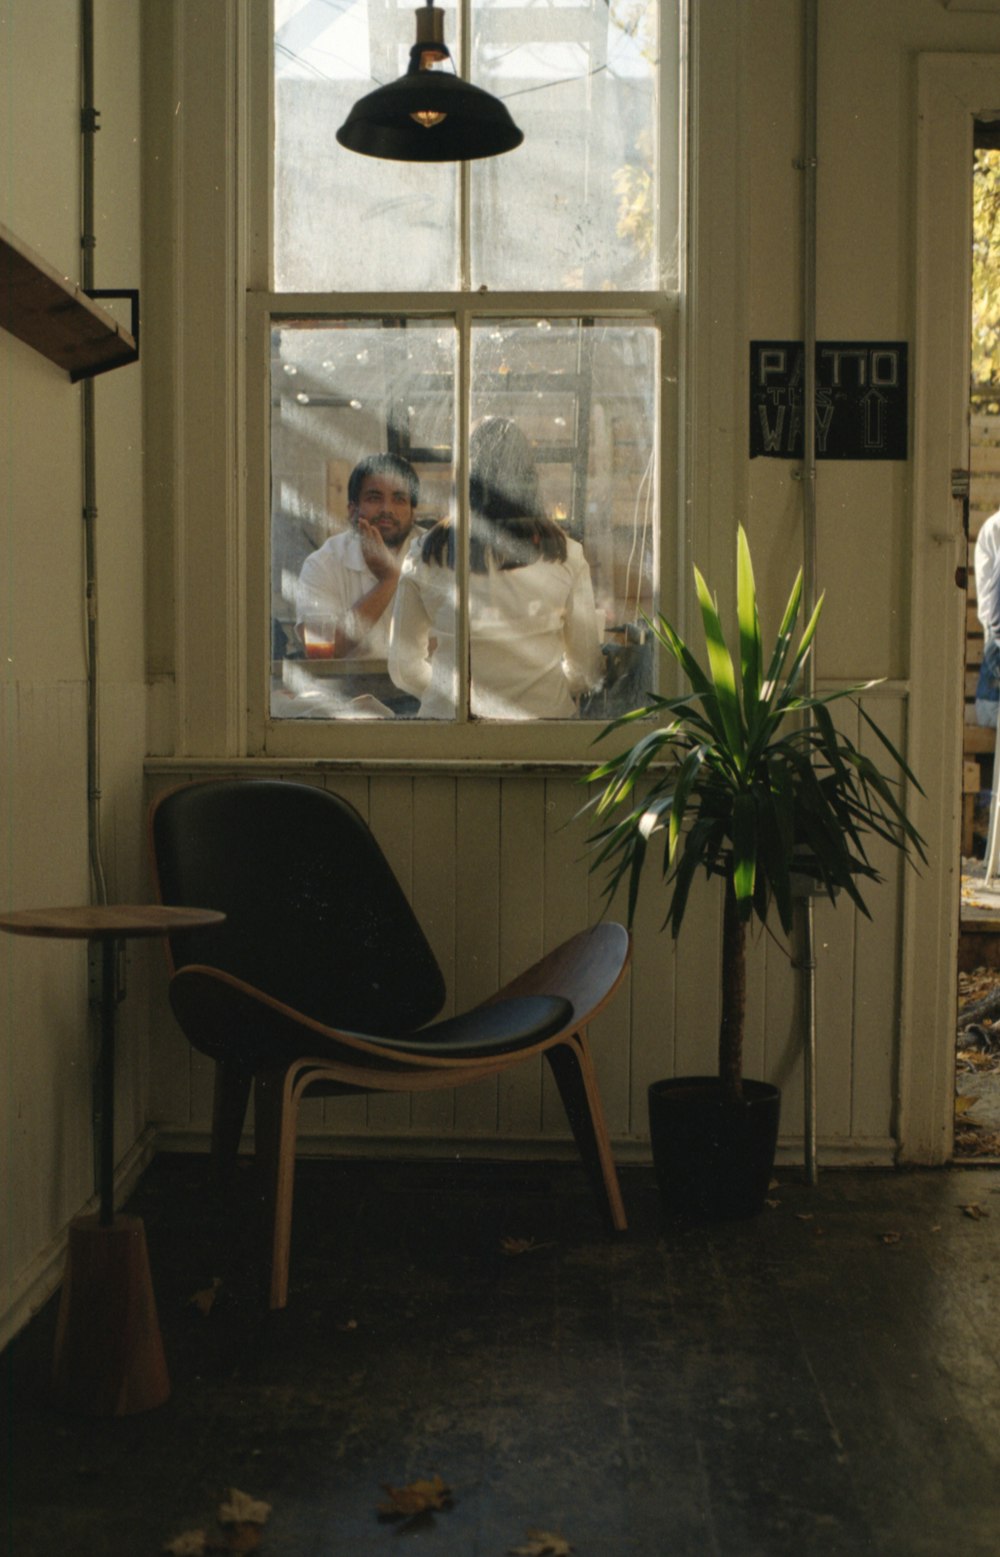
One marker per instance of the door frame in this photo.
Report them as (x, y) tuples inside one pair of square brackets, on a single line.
[(952, 90)]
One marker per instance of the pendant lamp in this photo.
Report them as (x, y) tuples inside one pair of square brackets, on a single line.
[(428, 115)]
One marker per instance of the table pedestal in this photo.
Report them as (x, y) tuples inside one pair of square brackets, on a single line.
[(108, 1354)]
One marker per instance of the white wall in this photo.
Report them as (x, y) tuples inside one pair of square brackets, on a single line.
[(45, 1105)]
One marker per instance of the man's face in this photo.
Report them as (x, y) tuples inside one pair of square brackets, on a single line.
[(384, 502)]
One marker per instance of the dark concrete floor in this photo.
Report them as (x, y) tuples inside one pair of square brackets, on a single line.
[(824, 1379)]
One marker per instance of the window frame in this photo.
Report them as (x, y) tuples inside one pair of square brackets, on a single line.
[(464, 739)]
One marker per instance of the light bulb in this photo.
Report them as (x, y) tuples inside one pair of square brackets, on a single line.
[(428, 118)]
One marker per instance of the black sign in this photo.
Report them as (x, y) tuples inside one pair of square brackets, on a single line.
[(861, 400)]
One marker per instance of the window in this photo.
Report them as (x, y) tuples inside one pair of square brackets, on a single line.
[(501, 328)]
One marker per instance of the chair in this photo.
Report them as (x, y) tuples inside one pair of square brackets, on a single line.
[(321, 980)]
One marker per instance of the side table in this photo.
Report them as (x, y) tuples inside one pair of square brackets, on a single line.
[(108, 1351)]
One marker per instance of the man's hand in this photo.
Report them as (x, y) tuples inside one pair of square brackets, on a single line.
[(381, 562)]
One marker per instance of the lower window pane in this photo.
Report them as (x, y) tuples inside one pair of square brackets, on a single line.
[(569, 407), (562, 519), (362, 431)]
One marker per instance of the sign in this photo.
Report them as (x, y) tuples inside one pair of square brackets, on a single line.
[(861, 400)]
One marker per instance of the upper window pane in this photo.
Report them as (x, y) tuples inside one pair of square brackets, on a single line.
[(574, 207), (343, 222)]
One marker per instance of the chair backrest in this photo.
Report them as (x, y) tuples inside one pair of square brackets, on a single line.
[(314, 915)]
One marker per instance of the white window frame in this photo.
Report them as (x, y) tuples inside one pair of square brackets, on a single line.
[(464, 739)]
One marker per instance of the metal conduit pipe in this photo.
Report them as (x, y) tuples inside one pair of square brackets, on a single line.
[(88, 128), (806, 956)]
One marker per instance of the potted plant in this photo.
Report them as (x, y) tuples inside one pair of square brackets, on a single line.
[(745, 776)]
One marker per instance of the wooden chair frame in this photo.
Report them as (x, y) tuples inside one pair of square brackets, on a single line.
[(586, 971)]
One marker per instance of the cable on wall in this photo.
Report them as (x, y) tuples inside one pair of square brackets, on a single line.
[(89, 128)]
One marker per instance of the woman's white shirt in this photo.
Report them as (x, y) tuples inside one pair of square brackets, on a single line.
[(532, 630)]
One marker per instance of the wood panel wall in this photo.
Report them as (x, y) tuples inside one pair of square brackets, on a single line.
[(496, 869)]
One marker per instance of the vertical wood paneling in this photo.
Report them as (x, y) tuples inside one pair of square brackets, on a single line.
[(651, 995), (477, 929), (698, 975), (341, 1115), (876, 967), (609, 1033), (498, 872), (522, 934), (835, 996), (783, 1032), (435, 873), (391, 819)]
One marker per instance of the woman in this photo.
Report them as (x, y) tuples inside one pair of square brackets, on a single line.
[(532, 621)]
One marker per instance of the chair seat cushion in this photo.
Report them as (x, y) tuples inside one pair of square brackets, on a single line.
[(495, 1028)]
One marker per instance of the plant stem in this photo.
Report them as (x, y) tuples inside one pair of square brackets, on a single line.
[(734, 997)]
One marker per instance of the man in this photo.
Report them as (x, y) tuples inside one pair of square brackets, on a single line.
[(987, 566), (346, 588)]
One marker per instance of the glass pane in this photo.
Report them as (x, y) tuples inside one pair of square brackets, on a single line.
[(573, 206), (563, 431), (343, 222), (342, 523)]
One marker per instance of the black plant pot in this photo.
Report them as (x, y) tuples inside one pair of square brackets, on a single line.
[(713, 1158)]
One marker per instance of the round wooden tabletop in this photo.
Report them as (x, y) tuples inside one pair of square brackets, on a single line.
[(102, 921)]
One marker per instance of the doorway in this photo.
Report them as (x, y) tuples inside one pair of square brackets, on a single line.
[(977, 1059)]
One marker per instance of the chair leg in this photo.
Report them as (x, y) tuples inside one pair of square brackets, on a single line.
[(230, 1097), (573, 1070), (275, 1123)]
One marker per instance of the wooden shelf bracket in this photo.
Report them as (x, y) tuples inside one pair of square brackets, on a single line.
[(58, 318)]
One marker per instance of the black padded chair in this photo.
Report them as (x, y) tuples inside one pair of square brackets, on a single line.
[(321, 980)]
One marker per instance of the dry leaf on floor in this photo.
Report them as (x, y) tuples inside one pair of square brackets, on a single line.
[(542, 1543), (204, 1300), (192, 1543), (890, 1237), (242, 1509), (240, 1538), (419, 1497), (522, 1245), (975, 1210), (349, 1324), (804, 1216), (963, 1104)]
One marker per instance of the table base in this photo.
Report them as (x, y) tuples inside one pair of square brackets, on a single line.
[(109, 1357)]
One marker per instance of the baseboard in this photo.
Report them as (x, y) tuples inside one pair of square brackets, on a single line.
[(629, 1151), (33, 1287)]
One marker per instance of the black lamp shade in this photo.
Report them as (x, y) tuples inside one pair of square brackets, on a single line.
[(476, 124)]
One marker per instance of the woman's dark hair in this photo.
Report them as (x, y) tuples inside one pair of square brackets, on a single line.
[(509, 525)]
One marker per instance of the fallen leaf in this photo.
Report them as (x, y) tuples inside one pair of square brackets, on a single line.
[(192, 1543), (975, 1210), (890, 1237), (964, 1103), (349, 1324), (242, 1509), (772, 1203), (521, 1245), (804, 1216), (239, 1538), (418, 1497), (542, 1543), (204, 1300)]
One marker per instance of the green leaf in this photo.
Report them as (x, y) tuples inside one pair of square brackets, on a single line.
[(721, 669), (751, 648)]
